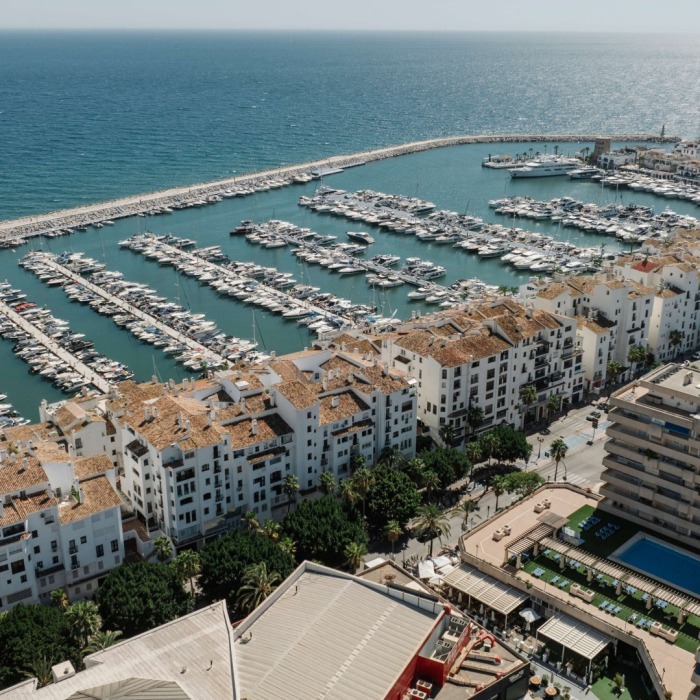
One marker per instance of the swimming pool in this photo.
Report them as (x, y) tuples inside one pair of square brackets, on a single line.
[(661, 561)]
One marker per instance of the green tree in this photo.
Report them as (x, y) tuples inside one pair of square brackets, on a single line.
[(553, 405), (448, 434), (363, 480), (357, 462), (271, 529), (251, 521), (558, 450), (84, 620), (392, 531), (431, 481), (225, 560), (59, 598), (675, 340), (29, 634), (614, 369), (288, 545), (415, 468), (511, 445), (290, 488), (465, 510), (102, 640), (523, 483), (188, 565), (162, 548), (355, 552), (392, 457), (488, 444), (327, 483), (348, 492), (528, 395), (499, 485), (432, 523), (138, 597), (257, 584), (41, 669), (394, 496), (473, 452), (448, 463), (475, 418), (637, 355), (322, 528)]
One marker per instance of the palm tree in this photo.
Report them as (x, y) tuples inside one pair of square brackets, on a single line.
[(40, 668), (392, 457), (60, 599), (271, 530), (290, 488), (614, 369), (465, 510), (102, 640), (415, 468), (637, 355), (83, 620), (162, 548), (355, 552), (474, 452), (348, 492), (431, 481), (432, 523), (475, 418), (499, 484), (489, 444), (357, 462), (447, 434), (528, 395), (188, 565), (558, 450), (675, 339), (553, 404), (392, 531), (258, 584), (327, 482), (363, 480), (288, 545), (251, 521)]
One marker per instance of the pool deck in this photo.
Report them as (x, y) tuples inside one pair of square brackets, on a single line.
[(672, 662)]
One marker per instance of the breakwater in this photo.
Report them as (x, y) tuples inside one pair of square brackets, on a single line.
[(199, 194)]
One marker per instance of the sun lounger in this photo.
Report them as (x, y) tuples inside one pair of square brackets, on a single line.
[(604, 605), (555, 579)]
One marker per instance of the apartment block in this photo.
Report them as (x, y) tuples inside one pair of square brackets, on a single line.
[(653, 452), (482, 357), (60, 521)]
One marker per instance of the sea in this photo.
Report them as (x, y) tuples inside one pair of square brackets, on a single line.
[(91, 116)]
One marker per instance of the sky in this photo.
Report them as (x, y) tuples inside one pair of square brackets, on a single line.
[(629, 16)]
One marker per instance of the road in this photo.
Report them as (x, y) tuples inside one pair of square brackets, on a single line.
[(582, 467)]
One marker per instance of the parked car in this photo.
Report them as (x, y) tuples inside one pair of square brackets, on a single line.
[(696, 355), (593, 415)]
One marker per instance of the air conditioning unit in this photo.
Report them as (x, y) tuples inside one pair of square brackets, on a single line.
[(415, 693)]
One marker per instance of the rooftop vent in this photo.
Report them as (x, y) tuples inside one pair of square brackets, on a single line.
[(61, 671), (335, 401), (254, 426)]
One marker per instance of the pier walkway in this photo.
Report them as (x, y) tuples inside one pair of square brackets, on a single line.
[(52, 346), (212, 357), (193, 194)]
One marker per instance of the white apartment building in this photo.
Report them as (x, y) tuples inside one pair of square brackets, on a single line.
[(60, 523), (482, 358), (198, 455), (653, 452)]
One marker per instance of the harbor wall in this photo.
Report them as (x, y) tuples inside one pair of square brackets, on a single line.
[(143, 203)]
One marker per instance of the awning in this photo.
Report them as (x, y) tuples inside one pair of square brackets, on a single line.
[(492, 593), (575, 636)]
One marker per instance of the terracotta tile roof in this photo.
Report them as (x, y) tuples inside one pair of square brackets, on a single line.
[(553, 290), (13, 476), (518, 328), (256, 457), (245, 375), (451, 353), (90, 466), (359, 345), (19, 508), (288, 371), (645, 266), (393, 380), (546, 319), (667, 293), (636, 289), (68, 414), (599, 326), (98, 495), (50, 452), (355, 427), (109, 427), (268, 428), (21, 434), (300, 395), (348, 405)]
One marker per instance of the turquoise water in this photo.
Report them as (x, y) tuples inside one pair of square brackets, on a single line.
[(90, 116), (664, 563)]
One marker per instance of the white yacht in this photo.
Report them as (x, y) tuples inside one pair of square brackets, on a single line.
[(361, 236), (547, 166)]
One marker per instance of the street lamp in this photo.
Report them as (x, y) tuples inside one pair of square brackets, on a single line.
[(540, 439)]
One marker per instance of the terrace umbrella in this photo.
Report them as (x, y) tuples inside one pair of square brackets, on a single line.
[(650, 603), (589, 575), (530, 616)]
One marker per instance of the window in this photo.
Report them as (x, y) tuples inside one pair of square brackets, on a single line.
[(83, 540), (17, 566), (115, 545), (100, 550)]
